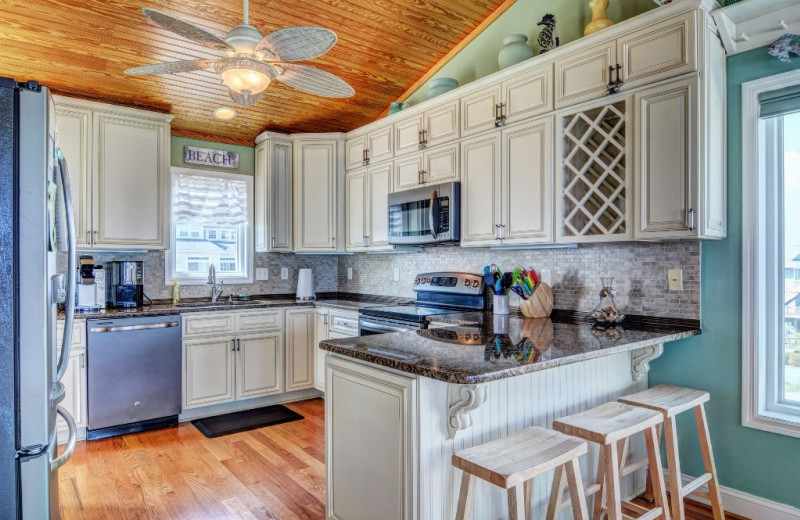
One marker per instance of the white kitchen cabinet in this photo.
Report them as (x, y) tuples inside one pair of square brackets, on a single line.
[(433, 127), (355, 150), (371, 148), (273, 193), (480, 189), (321, 333), (318, 204), (356, 207), (300, 349), (481, 110), (408, 172), (367, 193), (344, 323), (433, 166), (209, 371), (119, 166), (584, 75), (370, 456), (408, 135), (74, 380), (259, 360)]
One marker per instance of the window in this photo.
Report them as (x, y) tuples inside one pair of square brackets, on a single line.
[(771, 253), (211, 215)]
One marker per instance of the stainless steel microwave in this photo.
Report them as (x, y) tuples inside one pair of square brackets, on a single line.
[(428, 215)]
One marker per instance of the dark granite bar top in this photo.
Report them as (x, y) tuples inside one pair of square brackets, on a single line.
[(484, 348)]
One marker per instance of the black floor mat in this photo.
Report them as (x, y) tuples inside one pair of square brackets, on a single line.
[(246, 420)]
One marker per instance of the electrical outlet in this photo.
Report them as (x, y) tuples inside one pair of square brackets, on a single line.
[(262, 273), (546, 276), (284, 273), (397, 275), (349, 273), (675, 277)]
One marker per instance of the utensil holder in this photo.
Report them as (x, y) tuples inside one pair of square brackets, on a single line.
[(500, 304), (539, 304)]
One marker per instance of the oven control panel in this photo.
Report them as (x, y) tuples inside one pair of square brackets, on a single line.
[(456, 283)]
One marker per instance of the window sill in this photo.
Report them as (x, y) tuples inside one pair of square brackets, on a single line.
[(774, 422), (204, 280)]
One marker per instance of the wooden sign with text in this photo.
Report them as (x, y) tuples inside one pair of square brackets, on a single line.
[(209, 157)]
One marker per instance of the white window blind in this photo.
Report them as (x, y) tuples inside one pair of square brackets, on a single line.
[(208, 199)]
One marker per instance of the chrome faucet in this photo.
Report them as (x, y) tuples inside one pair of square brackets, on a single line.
[(216, 291)]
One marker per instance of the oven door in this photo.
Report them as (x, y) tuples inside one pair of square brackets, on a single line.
[(425, 215), (368, 326)]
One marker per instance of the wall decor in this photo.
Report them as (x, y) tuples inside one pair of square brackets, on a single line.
[(515, 49), (599, 18), (781, 47), (210, 157), (547, 39), (439, 86)]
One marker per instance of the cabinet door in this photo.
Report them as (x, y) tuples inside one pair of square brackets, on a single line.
[(259, 365), (320, 334), (666, 159), (527, 185), (407, 172), (262, 198), (479, 111), (315, 196), (407, 135), (380, 145), (299, 349), (355, 201), (441, 165), (370, 446), (379, 186), (529, 94), (441, 124), (75, 141), (281, 196), (480, 190), (354, 152), (658, 52), (209, 367), (130, 182), (584, 75), (74, 402)]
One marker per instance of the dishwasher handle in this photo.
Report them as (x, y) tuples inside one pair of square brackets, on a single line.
[(128, 328)]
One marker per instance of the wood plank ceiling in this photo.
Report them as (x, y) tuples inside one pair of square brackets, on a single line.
[(81, 48)]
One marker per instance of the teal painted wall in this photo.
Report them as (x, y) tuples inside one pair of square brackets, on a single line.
[(246, 155), (479, 58), (757, 462)]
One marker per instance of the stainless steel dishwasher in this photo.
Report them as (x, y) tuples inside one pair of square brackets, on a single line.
[(134, 374)]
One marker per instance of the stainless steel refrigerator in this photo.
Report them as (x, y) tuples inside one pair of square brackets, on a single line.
[(35, 221)]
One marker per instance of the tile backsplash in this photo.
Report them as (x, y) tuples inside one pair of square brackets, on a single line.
[(639, 271)]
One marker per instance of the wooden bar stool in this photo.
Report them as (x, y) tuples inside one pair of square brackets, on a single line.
[(670, 401), (611, 425), (512, 462)]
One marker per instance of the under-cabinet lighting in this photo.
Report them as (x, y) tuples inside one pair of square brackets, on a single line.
[(538, 246)]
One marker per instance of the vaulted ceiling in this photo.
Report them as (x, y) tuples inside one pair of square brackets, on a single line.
[(81, 48)]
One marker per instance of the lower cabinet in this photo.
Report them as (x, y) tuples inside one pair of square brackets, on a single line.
[(209, 371), (74, 381), (259, 358), (299, 349)]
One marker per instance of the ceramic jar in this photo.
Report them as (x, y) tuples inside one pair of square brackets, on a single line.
[(439, 86), (395, 107), (514, 50)]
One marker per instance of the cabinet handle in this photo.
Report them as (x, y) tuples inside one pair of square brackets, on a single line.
[(88, 237), (233, 345), (422, 139), (499, 115), (273, 242), (83, 360), (325, 319), (421, 174), (614, 85), (502, 231), (692, 214), (497, 231), (238, 345)]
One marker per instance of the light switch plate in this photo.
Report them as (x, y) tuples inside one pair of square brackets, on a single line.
[(349, 273), (397, 275), (262, 273), (284, 273), (675, 279)]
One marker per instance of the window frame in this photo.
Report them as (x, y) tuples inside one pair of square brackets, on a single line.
[(248, 237), (762, 263)]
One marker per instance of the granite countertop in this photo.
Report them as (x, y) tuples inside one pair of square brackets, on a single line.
[(482, 348)]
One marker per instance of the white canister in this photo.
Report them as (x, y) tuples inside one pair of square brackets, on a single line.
[(500, 304), (305, 286)]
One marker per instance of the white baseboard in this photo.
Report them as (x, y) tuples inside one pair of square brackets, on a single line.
[(237, 406), (747, 505)]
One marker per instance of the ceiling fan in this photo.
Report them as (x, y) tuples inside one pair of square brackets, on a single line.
[(251, 62)]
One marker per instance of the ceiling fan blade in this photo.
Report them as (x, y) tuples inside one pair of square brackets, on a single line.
[(171, 67), (186, 29), (314, 81), (297, 43)]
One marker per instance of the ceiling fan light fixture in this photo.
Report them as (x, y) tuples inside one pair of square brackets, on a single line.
[(244, 99), (245, 76)]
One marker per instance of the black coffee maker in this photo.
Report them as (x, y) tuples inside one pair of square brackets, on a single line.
[(125, 286)]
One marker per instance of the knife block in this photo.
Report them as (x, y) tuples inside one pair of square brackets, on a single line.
[(539, 304)]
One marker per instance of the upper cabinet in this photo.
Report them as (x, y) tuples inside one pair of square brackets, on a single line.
[(121, 168), (433, 127), (367, 216), (273, 193), (433, 166), (370, 148)]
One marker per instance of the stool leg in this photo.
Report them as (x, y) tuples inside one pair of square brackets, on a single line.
[(556, 493), (655, 471), (613, 496), (576, 493), (708, 462), (599, 497), (674, 465), (516, 503), (648, 490), (527, 489), (464, 511)]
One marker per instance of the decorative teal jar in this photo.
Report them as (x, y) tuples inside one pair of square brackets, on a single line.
[(439, 86), (395, 107), (515, 49)]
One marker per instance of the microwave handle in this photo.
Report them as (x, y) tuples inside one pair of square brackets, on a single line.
[(431, 219)]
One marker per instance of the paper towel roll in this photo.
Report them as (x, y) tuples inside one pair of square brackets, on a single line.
[(305, 286)]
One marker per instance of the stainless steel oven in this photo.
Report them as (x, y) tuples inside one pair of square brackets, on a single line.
[(368, 325), (428, 215)]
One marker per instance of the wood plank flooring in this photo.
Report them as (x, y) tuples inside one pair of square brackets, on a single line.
[(274, 473)]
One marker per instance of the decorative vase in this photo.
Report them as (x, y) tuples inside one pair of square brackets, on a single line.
[(599, 20), (395, 107), (439, 86), (515, 49), (607, 312)]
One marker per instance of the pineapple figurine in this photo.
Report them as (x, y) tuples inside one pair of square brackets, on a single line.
[(599, 19)]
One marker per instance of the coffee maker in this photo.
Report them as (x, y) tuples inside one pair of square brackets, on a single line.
[(125, 284), (91, 285)]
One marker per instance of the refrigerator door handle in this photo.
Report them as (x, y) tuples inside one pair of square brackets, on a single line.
[(69, 317), (73, 437)]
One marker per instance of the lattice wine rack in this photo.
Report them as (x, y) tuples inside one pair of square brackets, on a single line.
[(594, 173)]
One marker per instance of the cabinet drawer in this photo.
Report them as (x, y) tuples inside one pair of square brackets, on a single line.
[(344, 322), (208, 323), (258, 320), (78, 334)]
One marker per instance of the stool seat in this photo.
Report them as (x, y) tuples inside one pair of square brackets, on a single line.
[(608, 422), (517, 458), (667, 399)]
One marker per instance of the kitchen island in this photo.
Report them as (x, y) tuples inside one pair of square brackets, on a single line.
[(399, 405)]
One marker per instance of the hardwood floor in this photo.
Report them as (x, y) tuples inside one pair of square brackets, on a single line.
[(274, 473)]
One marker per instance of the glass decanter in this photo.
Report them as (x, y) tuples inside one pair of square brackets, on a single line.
[(607, 312)]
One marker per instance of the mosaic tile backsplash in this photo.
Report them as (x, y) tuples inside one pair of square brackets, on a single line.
[(639, 271)]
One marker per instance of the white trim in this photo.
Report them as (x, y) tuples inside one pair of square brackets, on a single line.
[(754, 263)]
